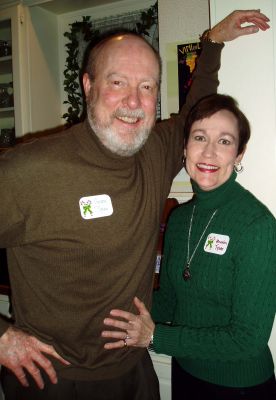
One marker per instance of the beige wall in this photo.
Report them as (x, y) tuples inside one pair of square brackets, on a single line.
[(43, 58), (180, 21)]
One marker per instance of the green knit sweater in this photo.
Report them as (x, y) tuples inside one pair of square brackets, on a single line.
[(69, 269), (221, 318)]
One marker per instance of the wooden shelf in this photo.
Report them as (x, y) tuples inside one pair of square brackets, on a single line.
[(6, 65), (4, 274), (7, 112), (5, 289)]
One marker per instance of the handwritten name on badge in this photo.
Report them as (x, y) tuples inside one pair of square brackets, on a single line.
[(92, 207), (216, 243)]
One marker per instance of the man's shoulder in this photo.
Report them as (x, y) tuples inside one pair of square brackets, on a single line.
[(41, 145)]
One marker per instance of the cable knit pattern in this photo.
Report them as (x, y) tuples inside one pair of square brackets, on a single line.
[(221, 318)]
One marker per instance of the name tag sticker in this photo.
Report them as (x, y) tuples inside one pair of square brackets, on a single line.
[(216, 243), (92, 207)]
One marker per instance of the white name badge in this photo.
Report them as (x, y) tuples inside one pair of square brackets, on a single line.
[(92, 207), (216, 243)]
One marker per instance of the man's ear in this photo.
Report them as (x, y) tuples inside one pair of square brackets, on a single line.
[(86, 84)]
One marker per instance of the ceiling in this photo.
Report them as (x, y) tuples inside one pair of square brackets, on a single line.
[(64, 6)]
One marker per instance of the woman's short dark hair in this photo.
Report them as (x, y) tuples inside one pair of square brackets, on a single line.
[(208, 106)]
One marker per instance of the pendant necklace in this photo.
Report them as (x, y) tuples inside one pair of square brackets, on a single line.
[(186, 272)]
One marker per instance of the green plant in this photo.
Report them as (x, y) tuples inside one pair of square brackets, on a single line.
[(71, 73), (82, 31), (148, 19)]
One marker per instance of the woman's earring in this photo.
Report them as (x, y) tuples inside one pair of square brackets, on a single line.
[(238, 168)]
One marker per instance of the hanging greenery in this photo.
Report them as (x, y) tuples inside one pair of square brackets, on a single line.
[(148, 19), (71, 73), (82, 31)]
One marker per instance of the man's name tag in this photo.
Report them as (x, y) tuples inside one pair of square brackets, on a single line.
[(92, 207)]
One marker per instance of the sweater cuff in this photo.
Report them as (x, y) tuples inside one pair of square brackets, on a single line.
[(212, 45), (162, 342), (211, 51)]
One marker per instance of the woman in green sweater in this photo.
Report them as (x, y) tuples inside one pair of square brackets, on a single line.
[(215, 307)]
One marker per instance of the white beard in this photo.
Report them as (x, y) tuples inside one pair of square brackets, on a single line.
[(116, 144), (111, 139)]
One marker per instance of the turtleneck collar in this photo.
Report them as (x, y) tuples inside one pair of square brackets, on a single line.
[(216, 197), (91, 147)]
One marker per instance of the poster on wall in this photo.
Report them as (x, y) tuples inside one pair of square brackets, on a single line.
[(187, 55), (180, 63)]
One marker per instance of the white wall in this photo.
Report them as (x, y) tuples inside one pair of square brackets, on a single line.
[(247, 73)]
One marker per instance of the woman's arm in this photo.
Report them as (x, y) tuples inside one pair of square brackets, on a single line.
[(252, 316)]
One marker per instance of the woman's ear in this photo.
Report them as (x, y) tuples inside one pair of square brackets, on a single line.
[(240, 156)]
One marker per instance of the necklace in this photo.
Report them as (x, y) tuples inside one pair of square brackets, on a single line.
[(186, 272)]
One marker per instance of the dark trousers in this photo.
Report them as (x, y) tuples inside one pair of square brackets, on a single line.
[(187, 387), (140, 383)]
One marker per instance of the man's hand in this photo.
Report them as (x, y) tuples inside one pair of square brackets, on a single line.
[(231, 27), (19, 351)]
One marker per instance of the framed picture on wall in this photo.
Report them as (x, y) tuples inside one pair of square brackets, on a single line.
[(187, 55), (181, 61)]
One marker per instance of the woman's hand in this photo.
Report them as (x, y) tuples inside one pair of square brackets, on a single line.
[(135, 331)]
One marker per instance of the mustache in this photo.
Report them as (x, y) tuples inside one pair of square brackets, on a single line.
[(125, 112)]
